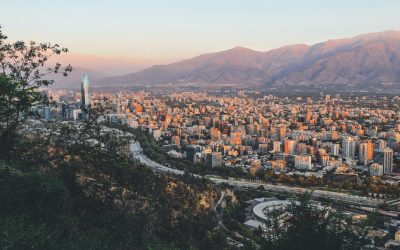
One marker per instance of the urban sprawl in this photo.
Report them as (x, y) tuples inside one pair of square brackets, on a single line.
[(345, 148)]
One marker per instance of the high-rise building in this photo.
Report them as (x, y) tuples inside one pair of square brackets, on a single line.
[(365, 152), (335, 149), (76, 113), (46, 113), (385, 157), (191, 150), (381, 144), (85, 92), (349, 146), (281, 132), (376, 169), (290, 147), (302, 162), (301, 149), (214, 159), (324, 159), (65, 111), (215, 134), (277, 146)]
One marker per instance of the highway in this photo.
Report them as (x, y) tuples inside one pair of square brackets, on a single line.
[(337, 196), (137, 153)]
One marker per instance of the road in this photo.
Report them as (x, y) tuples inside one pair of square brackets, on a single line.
[(220, 213), (337, 196), (137, 153)]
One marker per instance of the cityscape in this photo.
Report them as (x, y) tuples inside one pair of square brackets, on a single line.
[(193, 143), (342, 146)]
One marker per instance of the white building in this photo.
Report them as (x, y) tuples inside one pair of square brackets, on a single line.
[(349, 146), (335, 149), (302, 162), (376, 169), (385, 158), (277, 146)]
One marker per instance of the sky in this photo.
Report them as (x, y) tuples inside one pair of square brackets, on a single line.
[(161, 31)]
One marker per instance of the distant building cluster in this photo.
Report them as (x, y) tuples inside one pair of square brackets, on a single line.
[(345, 137), (69, 104)]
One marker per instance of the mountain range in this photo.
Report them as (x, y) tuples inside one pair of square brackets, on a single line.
[(365, 59)]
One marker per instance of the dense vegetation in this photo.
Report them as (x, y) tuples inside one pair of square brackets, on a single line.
[(66, 186), (58, 192), (308, 228), (373, 187), (81, 204)]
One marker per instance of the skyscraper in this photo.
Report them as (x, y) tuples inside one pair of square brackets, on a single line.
[(302, 162), (365, 152), (335, 149), (290, 146), (349, 146), (385, 157), (214, 159), (85, 93)]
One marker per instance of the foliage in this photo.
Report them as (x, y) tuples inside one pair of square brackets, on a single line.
[(81, 196), (22, 68), (315, 228), (369, 186), (70, 186)]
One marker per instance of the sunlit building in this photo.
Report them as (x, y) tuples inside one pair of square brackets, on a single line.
[(366, 152), (385, 157), (302, 162), (85, 92)]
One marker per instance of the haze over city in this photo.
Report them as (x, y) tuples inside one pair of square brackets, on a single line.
[(130, 35)]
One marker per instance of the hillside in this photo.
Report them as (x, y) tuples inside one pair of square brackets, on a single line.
[(85, 196)]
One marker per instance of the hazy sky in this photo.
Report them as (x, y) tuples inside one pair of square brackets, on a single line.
[(168, 30)]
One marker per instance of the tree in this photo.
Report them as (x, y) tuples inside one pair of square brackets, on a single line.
[(22, 68), (67, 186), (311, 227)]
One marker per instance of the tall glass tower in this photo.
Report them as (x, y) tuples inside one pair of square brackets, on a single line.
[(85, 93)]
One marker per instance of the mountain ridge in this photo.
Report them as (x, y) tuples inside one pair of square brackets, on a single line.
[(364, 59)]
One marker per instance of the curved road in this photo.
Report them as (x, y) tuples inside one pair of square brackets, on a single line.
[(137, 153)]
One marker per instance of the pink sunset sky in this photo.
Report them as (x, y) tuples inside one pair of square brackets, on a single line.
[(121, 36)]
